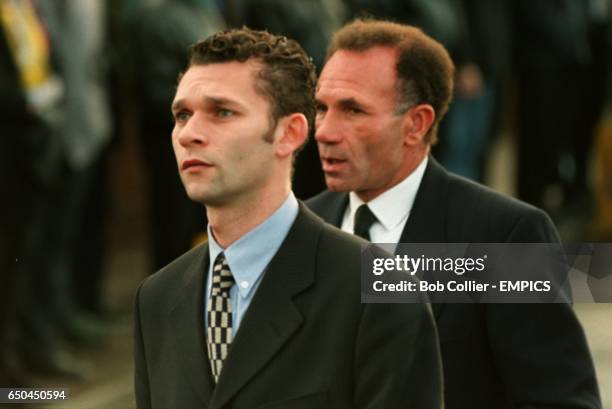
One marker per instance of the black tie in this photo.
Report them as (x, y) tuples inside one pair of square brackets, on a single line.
[(364, 218)]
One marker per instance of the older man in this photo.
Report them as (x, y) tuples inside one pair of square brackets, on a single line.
[(381, 96)]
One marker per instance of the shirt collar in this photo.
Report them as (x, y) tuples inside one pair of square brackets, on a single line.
[(249, 256), (393, 206)]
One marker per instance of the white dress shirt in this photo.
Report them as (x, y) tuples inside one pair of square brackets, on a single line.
[(391, 208)]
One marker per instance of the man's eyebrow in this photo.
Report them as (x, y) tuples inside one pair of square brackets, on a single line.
[(350, 103), (177, 104), (220, 101), (214, 101)]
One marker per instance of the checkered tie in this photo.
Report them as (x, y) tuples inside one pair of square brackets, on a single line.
[(219, 307)]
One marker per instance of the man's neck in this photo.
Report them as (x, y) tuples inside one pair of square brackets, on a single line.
[(232, 221), (411, 162)]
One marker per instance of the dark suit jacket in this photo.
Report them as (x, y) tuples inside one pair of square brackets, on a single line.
[(494, 356), (306, 341)]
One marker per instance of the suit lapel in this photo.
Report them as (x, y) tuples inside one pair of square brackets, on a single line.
[(188, 321), (427, 221), (272, 318)]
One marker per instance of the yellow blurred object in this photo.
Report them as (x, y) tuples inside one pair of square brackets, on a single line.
[(602, 225), (28, 41)]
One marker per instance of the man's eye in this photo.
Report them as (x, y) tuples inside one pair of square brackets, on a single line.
[(321, 108), (181, 116), (224, 113), (354, 110)]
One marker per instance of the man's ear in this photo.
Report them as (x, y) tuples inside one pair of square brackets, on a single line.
[(416, 123), (293, 130)]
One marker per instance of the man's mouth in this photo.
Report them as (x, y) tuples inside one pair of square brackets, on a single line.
[(332, 164), (192, 164)]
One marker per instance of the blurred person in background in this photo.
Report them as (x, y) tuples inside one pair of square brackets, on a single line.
[(562, 52), (69, 99), (602, 223), (29, 166), (75, 237), (596, 81), (482, 56)]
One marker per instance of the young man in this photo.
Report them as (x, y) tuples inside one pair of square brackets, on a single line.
[(267, 313), (381, 95)]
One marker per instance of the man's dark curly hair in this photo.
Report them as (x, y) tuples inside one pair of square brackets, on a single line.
[(424, 68), (287, 78)]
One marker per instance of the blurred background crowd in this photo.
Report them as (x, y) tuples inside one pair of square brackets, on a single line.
[(85, 93)]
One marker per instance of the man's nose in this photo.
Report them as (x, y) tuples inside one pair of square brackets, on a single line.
[(327, 128), (193, 132)]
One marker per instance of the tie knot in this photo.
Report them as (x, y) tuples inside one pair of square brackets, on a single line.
[(222, 278), (364, 218)]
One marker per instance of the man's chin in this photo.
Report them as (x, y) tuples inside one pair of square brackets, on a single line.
[(209, 199), (334, 185), (200, 197)]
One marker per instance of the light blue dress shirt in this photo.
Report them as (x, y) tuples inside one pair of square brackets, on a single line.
[(249, 257)]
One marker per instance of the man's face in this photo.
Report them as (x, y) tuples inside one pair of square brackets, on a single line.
[(359, 137), (220, 132)]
